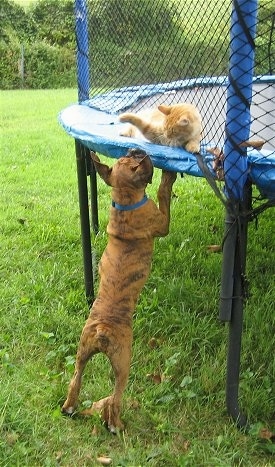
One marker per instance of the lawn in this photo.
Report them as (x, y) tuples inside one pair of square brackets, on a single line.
[(174, 405)]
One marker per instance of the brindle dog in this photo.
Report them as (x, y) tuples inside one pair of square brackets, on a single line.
[(124, 267)]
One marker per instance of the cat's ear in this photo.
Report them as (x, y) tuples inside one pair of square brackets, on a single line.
[(165, 109), (103, 170), (183, 121)]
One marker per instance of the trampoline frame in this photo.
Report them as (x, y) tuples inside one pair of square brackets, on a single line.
[(234, 283)]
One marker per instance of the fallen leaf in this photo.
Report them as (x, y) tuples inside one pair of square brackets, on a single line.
[(153, 343), (103, 460), (12, 438), (186, 445), (214, 248), (133, 404), (156, 378), (265, 433), (258, 144), (95, 431), (58, 456)]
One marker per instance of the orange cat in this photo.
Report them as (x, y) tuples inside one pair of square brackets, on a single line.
[(171, 125)]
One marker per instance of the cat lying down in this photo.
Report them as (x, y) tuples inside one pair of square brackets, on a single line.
[(170, 125)]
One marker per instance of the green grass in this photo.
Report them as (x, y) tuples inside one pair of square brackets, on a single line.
[(179, 422)]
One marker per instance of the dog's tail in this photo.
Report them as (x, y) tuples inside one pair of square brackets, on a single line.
[(102, 337)]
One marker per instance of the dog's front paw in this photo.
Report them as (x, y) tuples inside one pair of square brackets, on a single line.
[(168, 177), (68, 409)]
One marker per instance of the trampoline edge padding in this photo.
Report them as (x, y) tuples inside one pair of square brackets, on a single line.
[(99, 131)]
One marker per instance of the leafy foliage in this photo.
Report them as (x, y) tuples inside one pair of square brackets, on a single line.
[(54, 22), (152, 40), (15, 23), (44, 33), (113, 22)]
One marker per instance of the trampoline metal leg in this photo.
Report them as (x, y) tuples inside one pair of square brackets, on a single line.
[(80, 151), (227, 280), (93, 191), (233, 294), (234, 344)]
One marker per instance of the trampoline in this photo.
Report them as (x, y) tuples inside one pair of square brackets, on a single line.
[(226, 67), (95, 122)]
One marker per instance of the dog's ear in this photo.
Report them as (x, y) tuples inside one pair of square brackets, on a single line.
[(144, 171), (103, 170)]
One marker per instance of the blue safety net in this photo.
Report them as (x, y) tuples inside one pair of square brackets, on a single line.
[(218, 56)]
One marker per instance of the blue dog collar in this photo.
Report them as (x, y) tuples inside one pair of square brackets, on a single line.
[(130, 207)]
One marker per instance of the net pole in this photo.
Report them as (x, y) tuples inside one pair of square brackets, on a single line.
[(237, 189), (82, 51), (239, 95)]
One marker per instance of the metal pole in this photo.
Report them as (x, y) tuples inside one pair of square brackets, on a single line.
[(227, 281), (237, 129), (234, 341), (93, 189), (239, 95), (22, 66), (84, 168), (80, 152), (239, 295), (82, 54)]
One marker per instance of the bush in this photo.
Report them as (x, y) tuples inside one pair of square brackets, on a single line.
[(129, 38), (14, 22), (46, 31), (45, 66), (48, 66), (120, 22), (9, 66), (54, 22)]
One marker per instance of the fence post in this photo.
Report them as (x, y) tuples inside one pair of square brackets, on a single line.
[(21, 66)]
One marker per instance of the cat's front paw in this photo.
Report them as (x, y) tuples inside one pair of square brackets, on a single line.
[(192, 146), (125, 117)]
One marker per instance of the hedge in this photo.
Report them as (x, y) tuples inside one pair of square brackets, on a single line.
[(45, 66)]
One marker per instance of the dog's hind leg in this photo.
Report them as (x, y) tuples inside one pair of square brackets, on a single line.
[(86, 349), (119, 355)]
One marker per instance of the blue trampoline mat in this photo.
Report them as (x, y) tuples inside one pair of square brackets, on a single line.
[(99, 131)]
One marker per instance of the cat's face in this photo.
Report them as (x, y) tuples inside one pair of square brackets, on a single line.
[(181, 121)]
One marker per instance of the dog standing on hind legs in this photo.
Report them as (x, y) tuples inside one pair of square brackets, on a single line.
[(124, 267)]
